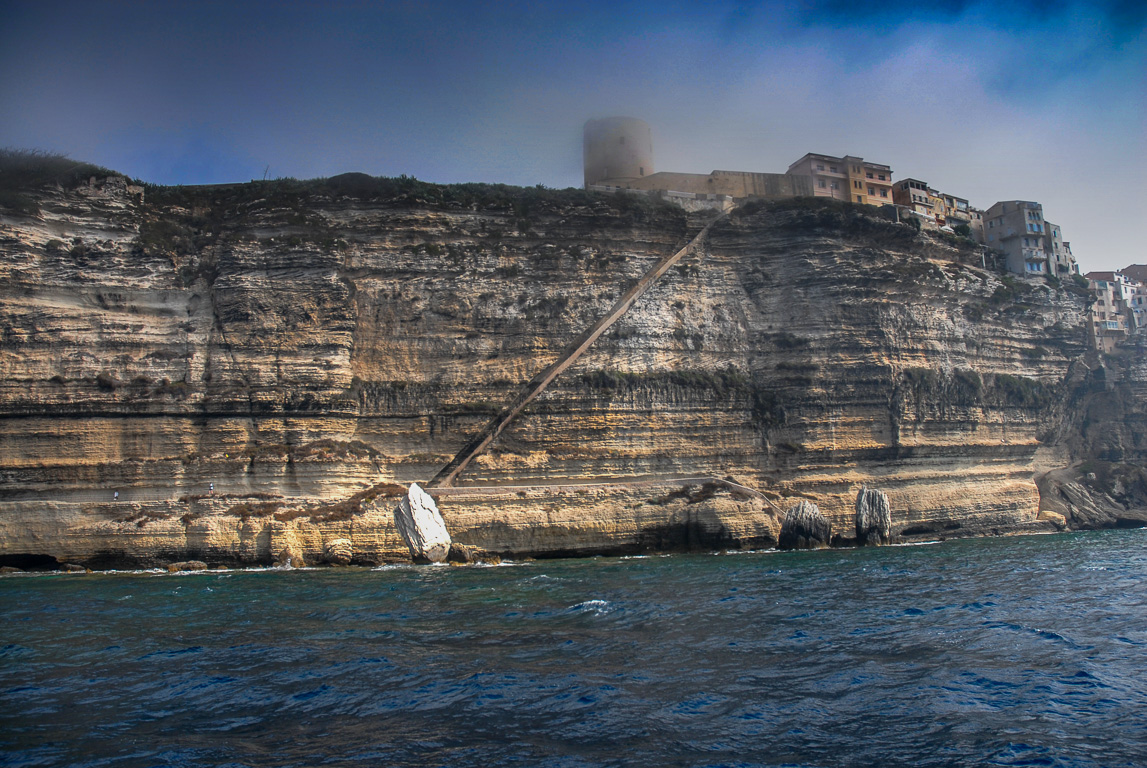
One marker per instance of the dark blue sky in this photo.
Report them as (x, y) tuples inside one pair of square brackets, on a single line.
[(1040, 101)]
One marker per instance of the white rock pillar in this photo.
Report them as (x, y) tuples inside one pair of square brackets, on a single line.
[(422, 527)]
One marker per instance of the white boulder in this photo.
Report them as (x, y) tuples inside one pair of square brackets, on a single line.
[(422, 527)]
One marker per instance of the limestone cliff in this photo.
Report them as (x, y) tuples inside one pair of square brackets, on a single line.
[(1105, 434), (263, 366)]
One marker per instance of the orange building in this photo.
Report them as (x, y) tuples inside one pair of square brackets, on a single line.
[(846, 178)]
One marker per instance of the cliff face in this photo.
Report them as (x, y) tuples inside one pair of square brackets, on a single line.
[(294, 345), (1105, 432)]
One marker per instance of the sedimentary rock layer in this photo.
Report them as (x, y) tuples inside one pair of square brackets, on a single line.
[(252, 363)]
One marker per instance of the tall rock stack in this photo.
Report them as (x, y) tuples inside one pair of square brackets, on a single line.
[(873, 517), (804, 527)]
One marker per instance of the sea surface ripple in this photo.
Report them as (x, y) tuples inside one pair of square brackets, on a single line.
[(1015, 652)]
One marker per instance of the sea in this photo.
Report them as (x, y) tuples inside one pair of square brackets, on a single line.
[(1024, 651)]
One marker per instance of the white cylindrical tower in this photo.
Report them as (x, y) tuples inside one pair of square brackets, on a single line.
[(617, 149)]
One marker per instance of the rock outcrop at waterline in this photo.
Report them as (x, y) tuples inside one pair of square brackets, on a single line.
[(338, 552), (421, 526), (804, 527), (873, 517), (310, 349)]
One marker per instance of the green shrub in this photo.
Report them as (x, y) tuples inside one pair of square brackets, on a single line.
[(166, 235), (18, 202), (786, 340), (1021, 391)]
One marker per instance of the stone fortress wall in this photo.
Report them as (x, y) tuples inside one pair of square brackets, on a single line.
[(619, 155)]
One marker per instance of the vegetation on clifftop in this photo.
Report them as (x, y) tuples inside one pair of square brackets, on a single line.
[(26, 170), (299, 195)]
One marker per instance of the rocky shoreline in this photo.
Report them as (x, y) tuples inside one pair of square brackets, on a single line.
[(534, 522)]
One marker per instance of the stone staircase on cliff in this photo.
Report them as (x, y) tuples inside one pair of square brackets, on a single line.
[(576, 348)]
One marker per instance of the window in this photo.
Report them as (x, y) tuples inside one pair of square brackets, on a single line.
[(880, 176), (859, 199), (834, 185), (856, 169), (858, 185), (872, 190), (832, 168), (820, 167), (641, 170), (868, 175), (884, 193)]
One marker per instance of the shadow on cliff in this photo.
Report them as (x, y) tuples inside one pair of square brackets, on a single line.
[(1105, 435)]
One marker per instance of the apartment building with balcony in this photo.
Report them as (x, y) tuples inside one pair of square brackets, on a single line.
[(846, 178), (1017, 228), (953, 210), (1120, 308), (935, 208), (914, 195), (1137, 272)]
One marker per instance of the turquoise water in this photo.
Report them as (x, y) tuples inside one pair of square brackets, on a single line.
[(1019, 651)]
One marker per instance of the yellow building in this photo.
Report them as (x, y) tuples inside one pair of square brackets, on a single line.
[(846, 178)]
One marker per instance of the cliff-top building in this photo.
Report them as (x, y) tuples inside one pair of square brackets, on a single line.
[(1017, 228), (1059, 258), (619, 149), (914, 195), (1119, 308), (618, 154), (938, 208), (846, 178)]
